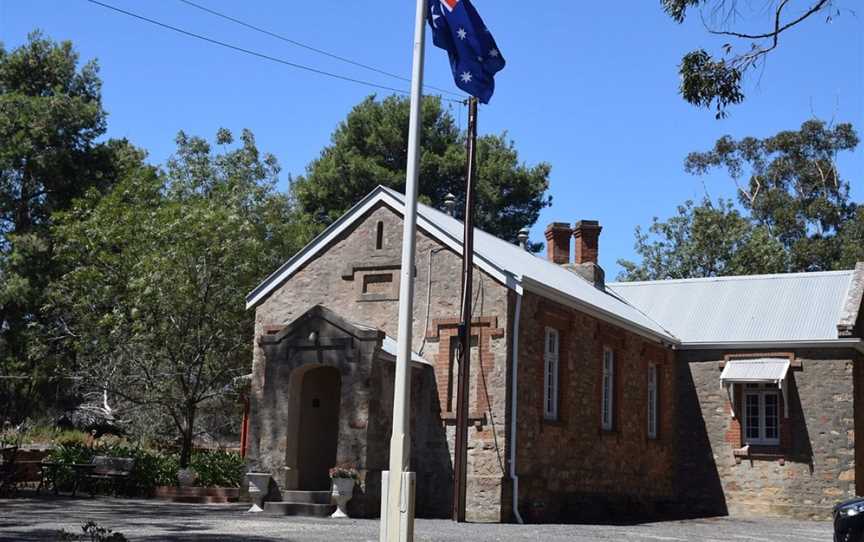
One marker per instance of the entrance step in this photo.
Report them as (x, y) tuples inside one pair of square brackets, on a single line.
[(307, 497), (285, 508)]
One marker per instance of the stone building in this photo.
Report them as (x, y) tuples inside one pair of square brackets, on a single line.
[(585, 397), (770, 376)]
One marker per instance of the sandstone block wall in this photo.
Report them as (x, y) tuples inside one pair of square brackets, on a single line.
[(358, 278), (813, 468)]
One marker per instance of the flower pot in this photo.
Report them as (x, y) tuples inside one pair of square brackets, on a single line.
[(186, 477), (259, 487), (343, 490)]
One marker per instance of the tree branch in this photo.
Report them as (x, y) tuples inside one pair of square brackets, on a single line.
[(777, 28)]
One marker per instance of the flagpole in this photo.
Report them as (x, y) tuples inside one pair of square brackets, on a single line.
[(460, 462), (400, 440)]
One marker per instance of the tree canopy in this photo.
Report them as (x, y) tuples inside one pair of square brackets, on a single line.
[(708, 81), (794, 211), (51, 117), (369, 148), (153, 300)]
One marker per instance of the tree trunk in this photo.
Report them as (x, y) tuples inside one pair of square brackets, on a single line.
[(188, 433)]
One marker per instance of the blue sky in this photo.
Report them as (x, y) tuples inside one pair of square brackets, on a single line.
[(590, 87)]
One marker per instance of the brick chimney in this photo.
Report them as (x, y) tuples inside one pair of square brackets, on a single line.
[(587, 235), (558, 242)]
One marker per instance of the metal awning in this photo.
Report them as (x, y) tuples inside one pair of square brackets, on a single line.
[(756, 371), (759, 370)]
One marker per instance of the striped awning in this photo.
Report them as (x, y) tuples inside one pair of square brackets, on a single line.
[(758, 370)]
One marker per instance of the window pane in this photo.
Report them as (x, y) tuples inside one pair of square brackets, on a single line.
[(652, 402), (751, 416), (608, 389), (772, 416)]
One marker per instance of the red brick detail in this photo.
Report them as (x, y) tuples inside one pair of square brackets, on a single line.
[(587, 235), (273, 329), (446, 332), (558, 242)]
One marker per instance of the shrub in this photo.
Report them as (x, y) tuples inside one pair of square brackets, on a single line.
[(218, 468), (152, 468), (94, 533)]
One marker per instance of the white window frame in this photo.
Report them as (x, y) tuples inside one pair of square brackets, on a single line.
[(760, 391), (551, 358), (653, 402), (607, 402)]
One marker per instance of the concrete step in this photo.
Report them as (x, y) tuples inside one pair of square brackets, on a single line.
[(308, 497), (283, 508)]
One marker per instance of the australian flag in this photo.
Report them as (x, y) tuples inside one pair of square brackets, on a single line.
[(474, 57)]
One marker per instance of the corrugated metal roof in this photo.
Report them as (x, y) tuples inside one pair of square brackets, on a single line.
[(504, 261), (755, 370), (522, 264), (782, 307)]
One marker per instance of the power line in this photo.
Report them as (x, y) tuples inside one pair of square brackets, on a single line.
[(309, 47), (256, 53)]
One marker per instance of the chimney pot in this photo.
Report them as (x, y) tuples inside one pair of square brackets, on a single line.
[(450, 204), (522, 236), (587, 235), (558, 242)]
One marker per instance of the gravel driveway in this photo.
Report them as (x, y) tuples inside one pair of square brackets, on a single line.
[(40, 519)]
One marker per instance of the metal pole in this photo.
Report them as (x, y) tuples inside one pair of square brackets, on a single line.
[(461, 460), (400, 440)]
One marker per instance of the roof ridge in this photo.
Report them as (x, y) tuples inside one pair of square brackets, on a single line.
[(771, 276)]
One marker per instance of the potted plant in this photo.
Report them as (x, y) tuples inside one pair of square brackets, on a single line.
[(344, 479)]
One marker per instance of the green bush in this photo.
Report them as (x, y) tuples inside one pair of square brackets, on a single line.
[(152, 468), (218, 468)]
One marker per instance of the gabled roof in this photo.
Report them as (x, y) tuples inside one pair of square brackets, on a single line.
[(517, 269), (793, 307)]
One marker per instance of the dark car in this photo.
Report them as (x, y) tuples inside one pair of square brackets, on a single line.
[(849, 521)]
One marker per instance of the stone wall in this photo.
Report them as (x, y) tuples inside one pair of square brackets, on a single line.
[(569, 469), (358, 278), (812, 469)]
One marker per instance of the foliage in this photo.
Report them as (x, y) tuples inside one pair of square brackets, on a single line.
[(49, 434), (704, 240), (215, 468), (92, 532), (218, 468), (707, 81), (345, 471), (153, 300), (13, 435), (51, 122), (795, 211), (368, 149)]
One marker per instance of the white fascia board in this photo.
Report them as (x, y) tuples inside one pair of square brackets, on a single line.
[(855, 344), (560, 297), (335, 230)]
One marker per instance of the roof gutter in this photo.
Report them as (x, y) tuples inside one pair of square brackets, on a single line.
[(855, 344), (560, 297)]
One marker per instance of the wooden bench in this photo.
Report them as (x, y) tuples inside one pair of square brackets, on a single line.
[(114, 470)]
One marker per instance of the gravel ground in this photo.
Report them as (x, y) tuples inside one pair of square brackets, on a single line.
[(40, 519)]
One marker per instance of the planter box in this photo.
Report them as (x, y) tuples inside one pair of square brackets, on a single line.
[(200, 495)]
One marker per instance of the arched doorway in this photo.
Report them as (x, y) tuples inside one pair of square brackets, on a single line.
[(318, 430)]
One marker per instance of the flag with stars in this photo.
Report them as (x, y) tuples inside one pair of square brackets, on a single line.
[(474, 57)]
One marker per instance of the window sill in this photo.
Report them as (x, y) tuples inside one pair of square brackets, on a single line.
[(759, 453)]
